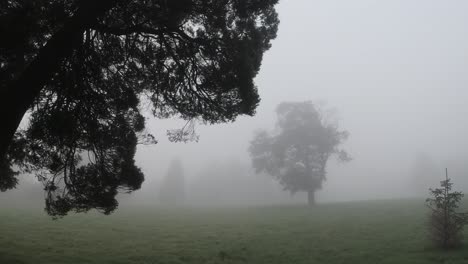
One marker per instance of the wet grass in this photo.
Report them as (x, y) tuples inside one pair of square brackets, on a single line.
[(358, 232)]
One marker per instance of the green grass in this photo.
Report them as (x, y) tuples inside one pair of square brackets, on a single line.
[(361, 232)]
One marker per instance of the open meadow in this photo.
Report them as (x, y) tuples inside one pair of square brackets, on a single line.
[(354, 232)]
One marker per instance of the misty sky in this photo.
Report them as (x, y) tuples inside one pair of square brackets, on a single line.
[(396, 71)]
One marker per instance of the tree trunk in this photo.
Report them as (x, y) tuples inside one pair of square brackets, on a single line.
[(311, 198), (19, 96)]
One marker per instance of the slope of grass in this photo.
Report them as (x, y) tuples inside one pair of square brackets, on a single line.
[(360, 232)]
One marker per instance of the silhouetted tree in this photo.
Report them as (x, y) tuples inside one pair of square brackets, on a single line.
[(172, 189), (81, 68), (446, 223), (297, 153)]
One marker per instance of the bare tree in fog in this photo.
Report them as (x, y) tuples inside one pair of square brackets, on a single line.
[(81, 67), (172, 190), (297, 152)]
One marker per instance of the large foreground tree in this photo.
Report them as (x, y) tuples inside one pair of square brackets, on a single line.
[(297, 152), (83, 70)]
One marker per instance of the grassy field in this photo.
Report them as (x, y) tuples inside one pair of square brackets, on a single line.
[(359, 232)]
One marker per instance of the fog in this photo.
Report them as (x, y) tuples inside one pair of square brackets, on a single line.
[(395, 72)]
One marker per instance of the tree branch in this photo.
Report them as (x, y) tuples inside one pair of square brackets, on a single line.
[(17, 98)]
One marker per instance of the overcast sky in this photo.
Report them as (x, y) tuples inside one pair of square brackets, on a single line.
[(396, 71)]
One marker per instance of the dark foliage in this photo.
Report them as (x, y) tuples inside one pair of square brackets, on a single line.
[(446, 223), (297, 153), (187, 58)]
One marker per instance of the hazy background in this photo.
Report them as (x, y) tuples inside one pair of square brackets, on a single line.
[(396, 71)]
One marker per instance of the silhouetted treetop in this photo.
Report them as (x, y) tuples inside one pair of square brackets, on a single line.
[(86, 69)]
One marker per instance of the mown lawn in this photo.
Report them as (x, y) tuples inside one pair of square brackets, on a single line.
[(359, 232)]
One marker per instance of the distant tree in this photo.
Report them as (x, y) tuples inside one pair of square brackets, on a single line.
[(296, 154), (84, 69), (446, 223), (172, 191), (232, 182), (423, 174)]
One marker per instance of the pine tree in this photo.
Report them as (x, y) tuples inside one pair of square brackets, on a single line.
[(446, 223)]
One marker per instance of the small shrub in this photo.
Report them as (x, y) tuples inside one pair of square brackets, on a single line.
[(446, 223)]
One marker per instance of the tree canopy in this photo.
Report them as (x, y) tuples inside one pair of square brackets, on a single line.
[(297, 152), (85, 70)]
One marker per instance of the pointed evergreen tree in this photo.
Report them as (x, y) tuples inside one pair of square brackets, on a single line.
[(446, 222)]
